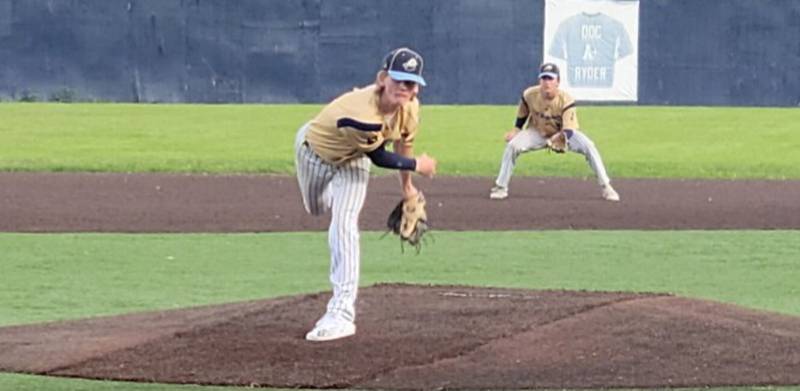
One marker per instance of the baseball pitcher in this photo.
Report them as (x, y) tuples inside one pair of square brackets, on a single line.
[(333, 156)]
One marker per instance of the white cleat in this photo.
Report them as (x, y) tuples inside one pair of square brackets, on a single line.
[(498, 193), (330, 328), (609, 194)]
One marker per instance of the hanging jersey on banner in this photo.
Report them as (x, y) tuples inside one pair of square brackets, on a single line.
[(596, 43)]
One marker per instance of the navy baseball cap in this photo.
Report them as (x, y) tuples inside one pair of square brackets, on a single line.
[(549, 69), (404, 64)]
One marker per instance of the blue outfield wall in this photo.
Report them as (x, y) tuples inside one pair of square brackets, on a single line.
[(719, 52), (691, 52)]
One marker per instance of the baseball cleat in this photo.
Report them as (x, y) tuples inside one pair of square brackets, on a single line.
[(331, 327), (609, 194), (330, 332), (498, 193)]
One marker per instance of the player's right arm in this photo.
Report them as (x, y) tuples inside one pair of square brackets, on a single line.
[(522, 116), (368, 139), (387, 159), (425, 165)]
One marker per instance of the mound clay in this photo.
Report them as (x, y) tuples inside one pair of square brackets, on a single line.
[(428, 337)]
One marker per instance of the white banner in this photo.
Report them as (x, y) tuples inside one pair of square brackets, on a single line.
[(595, 43)]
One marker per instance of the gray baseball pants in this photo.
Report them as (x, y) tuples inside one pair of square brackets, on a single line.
[(529, 140)]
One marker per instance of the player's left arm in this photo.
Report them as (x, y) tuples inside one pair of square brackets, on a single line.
[(569, 115), (559, 142)]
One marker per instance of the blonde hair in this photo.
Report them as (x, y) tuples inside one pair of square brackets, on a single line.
[(379, 78)]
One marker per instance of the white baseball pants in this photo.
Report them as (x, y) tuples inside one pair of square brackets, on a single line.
[(341, 189)]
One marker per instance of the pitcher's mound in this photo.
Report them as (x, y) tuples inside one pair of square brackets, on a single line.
[(428, 337)]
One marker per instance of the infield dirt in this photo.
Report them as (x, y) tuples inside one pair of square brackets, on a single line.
[(206, 203)]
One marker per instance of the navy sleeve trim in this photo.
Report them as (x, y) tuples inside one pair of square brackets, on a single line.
[(567, 107), (383, 158), (351, 123)]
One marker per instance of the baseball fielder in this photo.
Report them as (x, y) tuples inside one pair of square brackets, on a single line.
[(550, 121), (333, 156)]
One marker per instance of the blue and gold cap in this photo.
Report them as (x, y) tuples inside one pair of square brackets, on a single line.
[(549, 69), (404, 64)]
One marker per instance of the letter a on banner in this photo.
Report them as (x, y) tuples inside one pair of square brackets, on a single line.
[(595, 43)]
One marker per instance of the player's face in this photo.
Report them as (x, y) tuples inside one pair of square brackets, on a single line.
[(549, 86), (397, 92)]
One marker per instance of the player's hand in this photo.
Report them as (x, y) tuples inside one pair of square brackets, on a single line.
[(410, 191), (510, 134), (426, 165)]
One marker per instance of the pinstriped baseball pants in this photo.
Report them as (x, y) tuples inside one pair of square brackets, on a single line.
[(529, 140), (342, 190)]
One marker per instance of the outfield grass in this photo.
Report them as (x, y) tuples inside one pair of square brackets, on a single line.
[(635, 141)]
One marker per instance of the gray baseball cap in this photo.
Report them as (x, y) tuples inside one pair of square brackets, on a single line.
[(404, 64)]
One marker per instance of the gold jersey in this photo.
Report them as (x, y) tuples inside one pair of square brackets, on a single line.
[(548, 117), (351, 125)]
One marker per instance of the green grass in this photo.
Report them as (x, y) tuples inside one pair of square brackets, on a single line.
[(37, 383), (14, 382), (635, 141), (149, 138), (68, 276), (65, 276)]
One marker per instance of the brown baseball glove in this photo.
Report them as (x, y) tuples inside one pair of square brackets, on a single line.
[(409, 221), (558, 142)]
